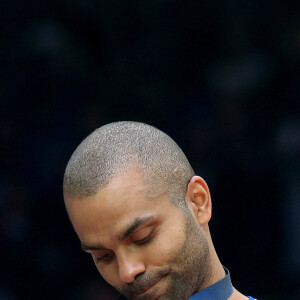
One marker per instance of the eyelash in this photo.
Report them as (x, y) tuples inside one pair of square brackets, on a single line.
[(145, 240), (105, 257)]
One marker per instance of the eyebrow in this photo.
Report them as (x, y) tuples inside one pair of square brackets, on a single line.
[(88, 248), (136, 223)]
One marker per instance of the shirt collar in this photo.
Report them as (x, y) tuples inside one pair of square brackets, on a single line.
[(220, 290)]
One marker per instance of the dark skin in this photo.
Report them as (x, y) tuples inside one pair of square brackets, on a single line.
[(145, 246)]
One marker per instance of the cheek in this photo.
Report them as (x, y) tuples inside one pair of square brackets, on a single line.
[(167, 247), (109, 273)]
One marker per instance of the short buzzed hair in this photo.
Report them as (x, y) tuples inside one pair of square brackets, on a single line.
[(113, 148)]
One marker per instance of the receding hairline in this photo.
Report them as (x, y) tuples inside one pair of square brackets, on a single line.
[(152, 192), (133, 167)]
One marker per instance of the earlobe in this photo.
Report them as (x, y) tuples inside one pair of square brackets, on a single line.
[(199, 196)]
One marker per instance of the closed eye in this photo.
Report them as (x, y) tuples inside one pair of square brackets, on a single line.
[(105, 257), (146, 239)]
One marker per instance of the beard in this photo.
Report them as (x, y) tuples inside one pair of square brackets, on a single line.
[(187, 270), (192, 263)]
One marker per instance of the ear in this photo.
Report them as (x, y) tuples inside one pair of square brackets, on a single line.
[(199, 200)]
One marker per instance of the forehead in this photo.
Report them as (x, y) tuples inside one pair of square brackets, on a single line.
[(124, 199)]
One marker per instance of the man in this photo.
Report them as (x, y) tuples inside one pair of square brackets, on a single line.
[(138, 208)]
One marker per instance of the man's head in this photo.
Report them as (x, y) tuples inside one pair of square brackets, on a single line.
[(139, 210), (111, 149)]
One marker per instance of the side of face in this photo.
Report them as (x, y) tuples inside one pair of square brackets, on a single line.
[(144, 246)]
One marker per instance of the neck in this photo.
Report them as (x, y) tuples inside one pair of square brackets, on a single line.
[(217, 270), (238, 296)]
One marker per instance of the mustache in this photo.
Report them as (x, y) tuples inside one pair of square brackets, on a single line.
[(143, 282)]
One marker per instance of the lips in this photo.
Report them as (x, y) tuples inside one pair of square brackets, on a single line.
[(137, 290), (146, 289)]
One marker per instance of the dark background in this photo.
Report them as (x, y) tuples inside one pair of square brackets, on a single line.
[(220, 77)]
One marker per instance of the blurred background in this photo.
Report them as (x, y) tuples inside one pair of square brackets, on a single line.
[(220, 77)]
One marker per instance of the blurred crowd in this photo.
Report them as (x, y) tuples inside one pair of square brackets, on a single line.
[(222, 78)]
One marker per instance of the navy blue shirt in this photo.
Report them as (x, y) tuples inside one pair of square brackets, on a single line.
[(220, 290)]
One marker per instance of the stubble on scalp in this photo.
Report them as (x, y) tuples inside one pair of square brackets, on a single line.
[(113, 148)]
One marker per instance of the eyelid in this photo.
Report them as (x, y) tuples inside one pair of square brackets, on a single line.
[(102, 258), (145, 239), (141, 233)]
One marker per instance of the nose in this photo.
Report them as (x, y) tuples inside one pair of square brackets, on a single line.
[(129, 267)]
